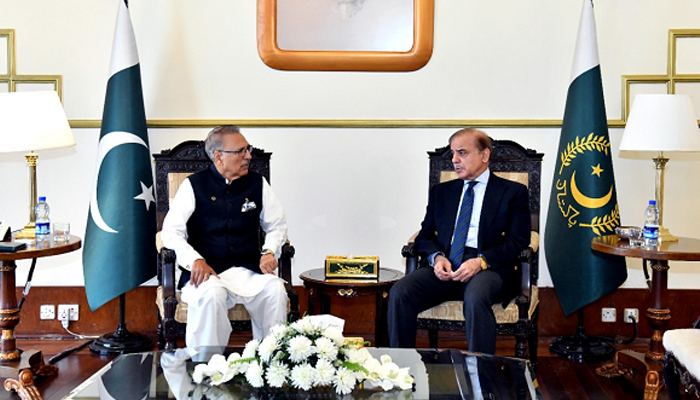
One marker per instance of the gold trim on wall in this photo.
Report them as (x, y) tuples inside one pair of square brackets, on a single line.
[(12, 78), (671, 77), (346, 123)]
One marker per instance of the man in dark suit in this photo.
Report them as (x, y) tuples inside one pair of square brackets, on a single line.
[(473, 230)]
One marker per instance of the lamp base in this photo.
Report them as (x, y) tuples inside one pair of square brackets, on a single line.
[(666, 236), (28, 232)]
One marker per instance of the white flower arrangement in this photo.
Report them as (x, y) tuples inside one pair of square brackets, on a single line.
[(303, 355)]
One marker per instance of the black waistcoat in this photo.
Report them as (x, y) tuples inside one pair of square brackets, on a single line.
[(225, 225)]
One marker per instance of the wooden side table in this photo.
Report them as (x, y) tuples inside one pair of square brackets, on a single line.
[(14, 364), (315, 282), (658, 313)]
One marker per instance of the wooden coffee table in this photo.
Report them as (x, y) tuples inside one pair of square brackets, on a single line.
[(315, 281)]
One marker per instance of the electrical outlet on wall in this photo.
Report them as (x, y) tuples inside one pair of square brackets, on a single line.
[(608, 314), (631, 313), (47, 311), (67, 312)]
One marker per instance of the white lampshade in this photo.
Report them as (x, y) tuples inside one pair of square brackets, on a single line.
[(33, 121), (661, 122)]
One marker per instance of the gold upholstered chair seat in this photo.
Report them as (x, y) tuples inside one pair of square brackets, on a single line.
[(237, 313), (452, 310)]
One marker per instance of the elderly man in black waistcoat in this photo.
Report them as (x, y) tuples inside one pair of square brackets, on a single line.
[(213, 226)]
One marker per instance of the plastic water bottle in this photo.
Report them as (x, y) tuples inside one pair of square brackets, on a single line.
[(651, 225), (42, 221)]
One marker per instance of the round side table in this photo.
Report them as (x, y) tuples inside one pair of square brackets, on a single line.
[(323, 289), (14, 364)]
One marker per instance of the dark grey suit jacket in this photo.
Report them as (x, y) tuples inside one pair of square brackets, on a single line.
[(504, 227)]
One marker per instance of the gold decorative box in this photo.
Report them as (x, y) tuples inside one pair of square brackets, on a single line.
[(349, 267)]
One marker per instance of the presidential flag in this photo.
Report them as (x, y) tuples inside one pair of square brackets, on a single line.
[(583, 202), (119, 252)]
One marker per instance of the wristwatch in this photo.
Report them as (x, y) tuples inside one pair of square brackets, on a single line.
[(267, 251), (484, 264)]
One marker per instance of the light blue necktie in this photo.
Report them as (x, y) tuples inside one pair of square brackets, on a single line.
[(462, 226)]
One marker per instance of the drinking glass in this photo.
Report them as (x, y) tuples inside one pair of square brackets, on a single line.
[(61, 231)]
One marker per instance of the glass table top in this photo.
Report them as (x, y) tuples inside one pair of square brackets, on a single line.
[(439, 374)]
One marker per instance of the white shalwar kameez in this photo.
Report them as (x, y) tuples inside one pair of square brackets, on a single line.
[(263, 295)]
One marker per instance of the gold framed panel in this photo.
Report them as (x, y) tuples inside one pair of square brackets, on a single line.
[(310, 60), (12, 79)]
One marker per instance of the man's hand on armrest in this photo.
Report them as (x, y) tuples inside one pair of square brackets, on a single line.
[(201, 271), (268, 263)]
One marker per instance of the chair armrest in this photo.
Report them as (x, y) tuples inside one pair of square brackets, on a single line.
[(285, 261), (527, 279), (410, 254), (167, 278), (285, 266)]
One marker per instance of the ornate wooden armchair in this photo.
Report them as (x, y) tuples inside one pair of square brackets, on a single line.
[(682, 361), (172, 167), (519, 317)]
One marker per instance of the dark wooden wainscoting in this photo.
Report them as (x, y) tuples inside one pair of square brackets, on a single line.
[(141, 315)]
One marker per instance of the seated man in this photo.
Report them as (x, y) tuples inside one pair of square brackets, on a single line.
[(213, 226), (473, 231)]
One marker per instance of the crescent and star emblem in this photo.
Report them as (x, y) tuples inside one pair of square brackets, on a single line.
[(603, 213), (109, 142), (589, 202)]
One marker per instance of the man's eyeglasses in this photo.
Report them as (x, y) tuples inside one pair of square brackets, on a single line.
[(241, 151)]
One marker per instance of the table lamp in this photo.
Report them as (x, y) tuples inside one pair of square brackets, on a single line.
[(31, 121), (659, 123)]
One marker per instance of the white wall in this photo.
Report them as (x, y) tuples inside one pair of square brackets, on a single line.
[(352, 190)]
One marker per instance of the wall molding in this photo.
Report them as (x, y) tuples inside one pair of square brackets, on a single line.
[(345, 123)]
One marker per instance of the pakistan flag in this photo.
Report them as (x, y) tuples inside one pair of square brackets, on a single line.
[(583, 201)]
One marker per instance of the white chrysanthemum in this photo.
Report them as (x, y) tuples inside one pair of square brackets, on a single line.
[(304, 325), (303, 376), (335, 334), (300, 348), (250, 348), (277, 374), (279, 331), (326, 348), (324, 372), (267, 347), (344, 381), (254, 374)]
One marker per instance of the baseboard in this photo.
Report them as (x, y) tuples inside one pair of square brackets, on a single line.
[(359, 313)]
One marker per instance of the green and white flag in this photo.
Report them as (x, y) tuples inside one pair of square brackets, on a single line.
[(583, 202), (120, 251)]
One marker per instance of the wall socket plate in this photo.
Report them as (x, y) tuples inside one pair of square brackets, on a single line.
[(631, 312), (67, 312), (608, 314), (47, 311)]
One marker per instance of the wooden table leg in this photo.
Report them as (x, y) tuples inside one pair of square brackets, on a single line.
[(658, 313), (381, 328), (13, 363), (649, 364), (9, 312)]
